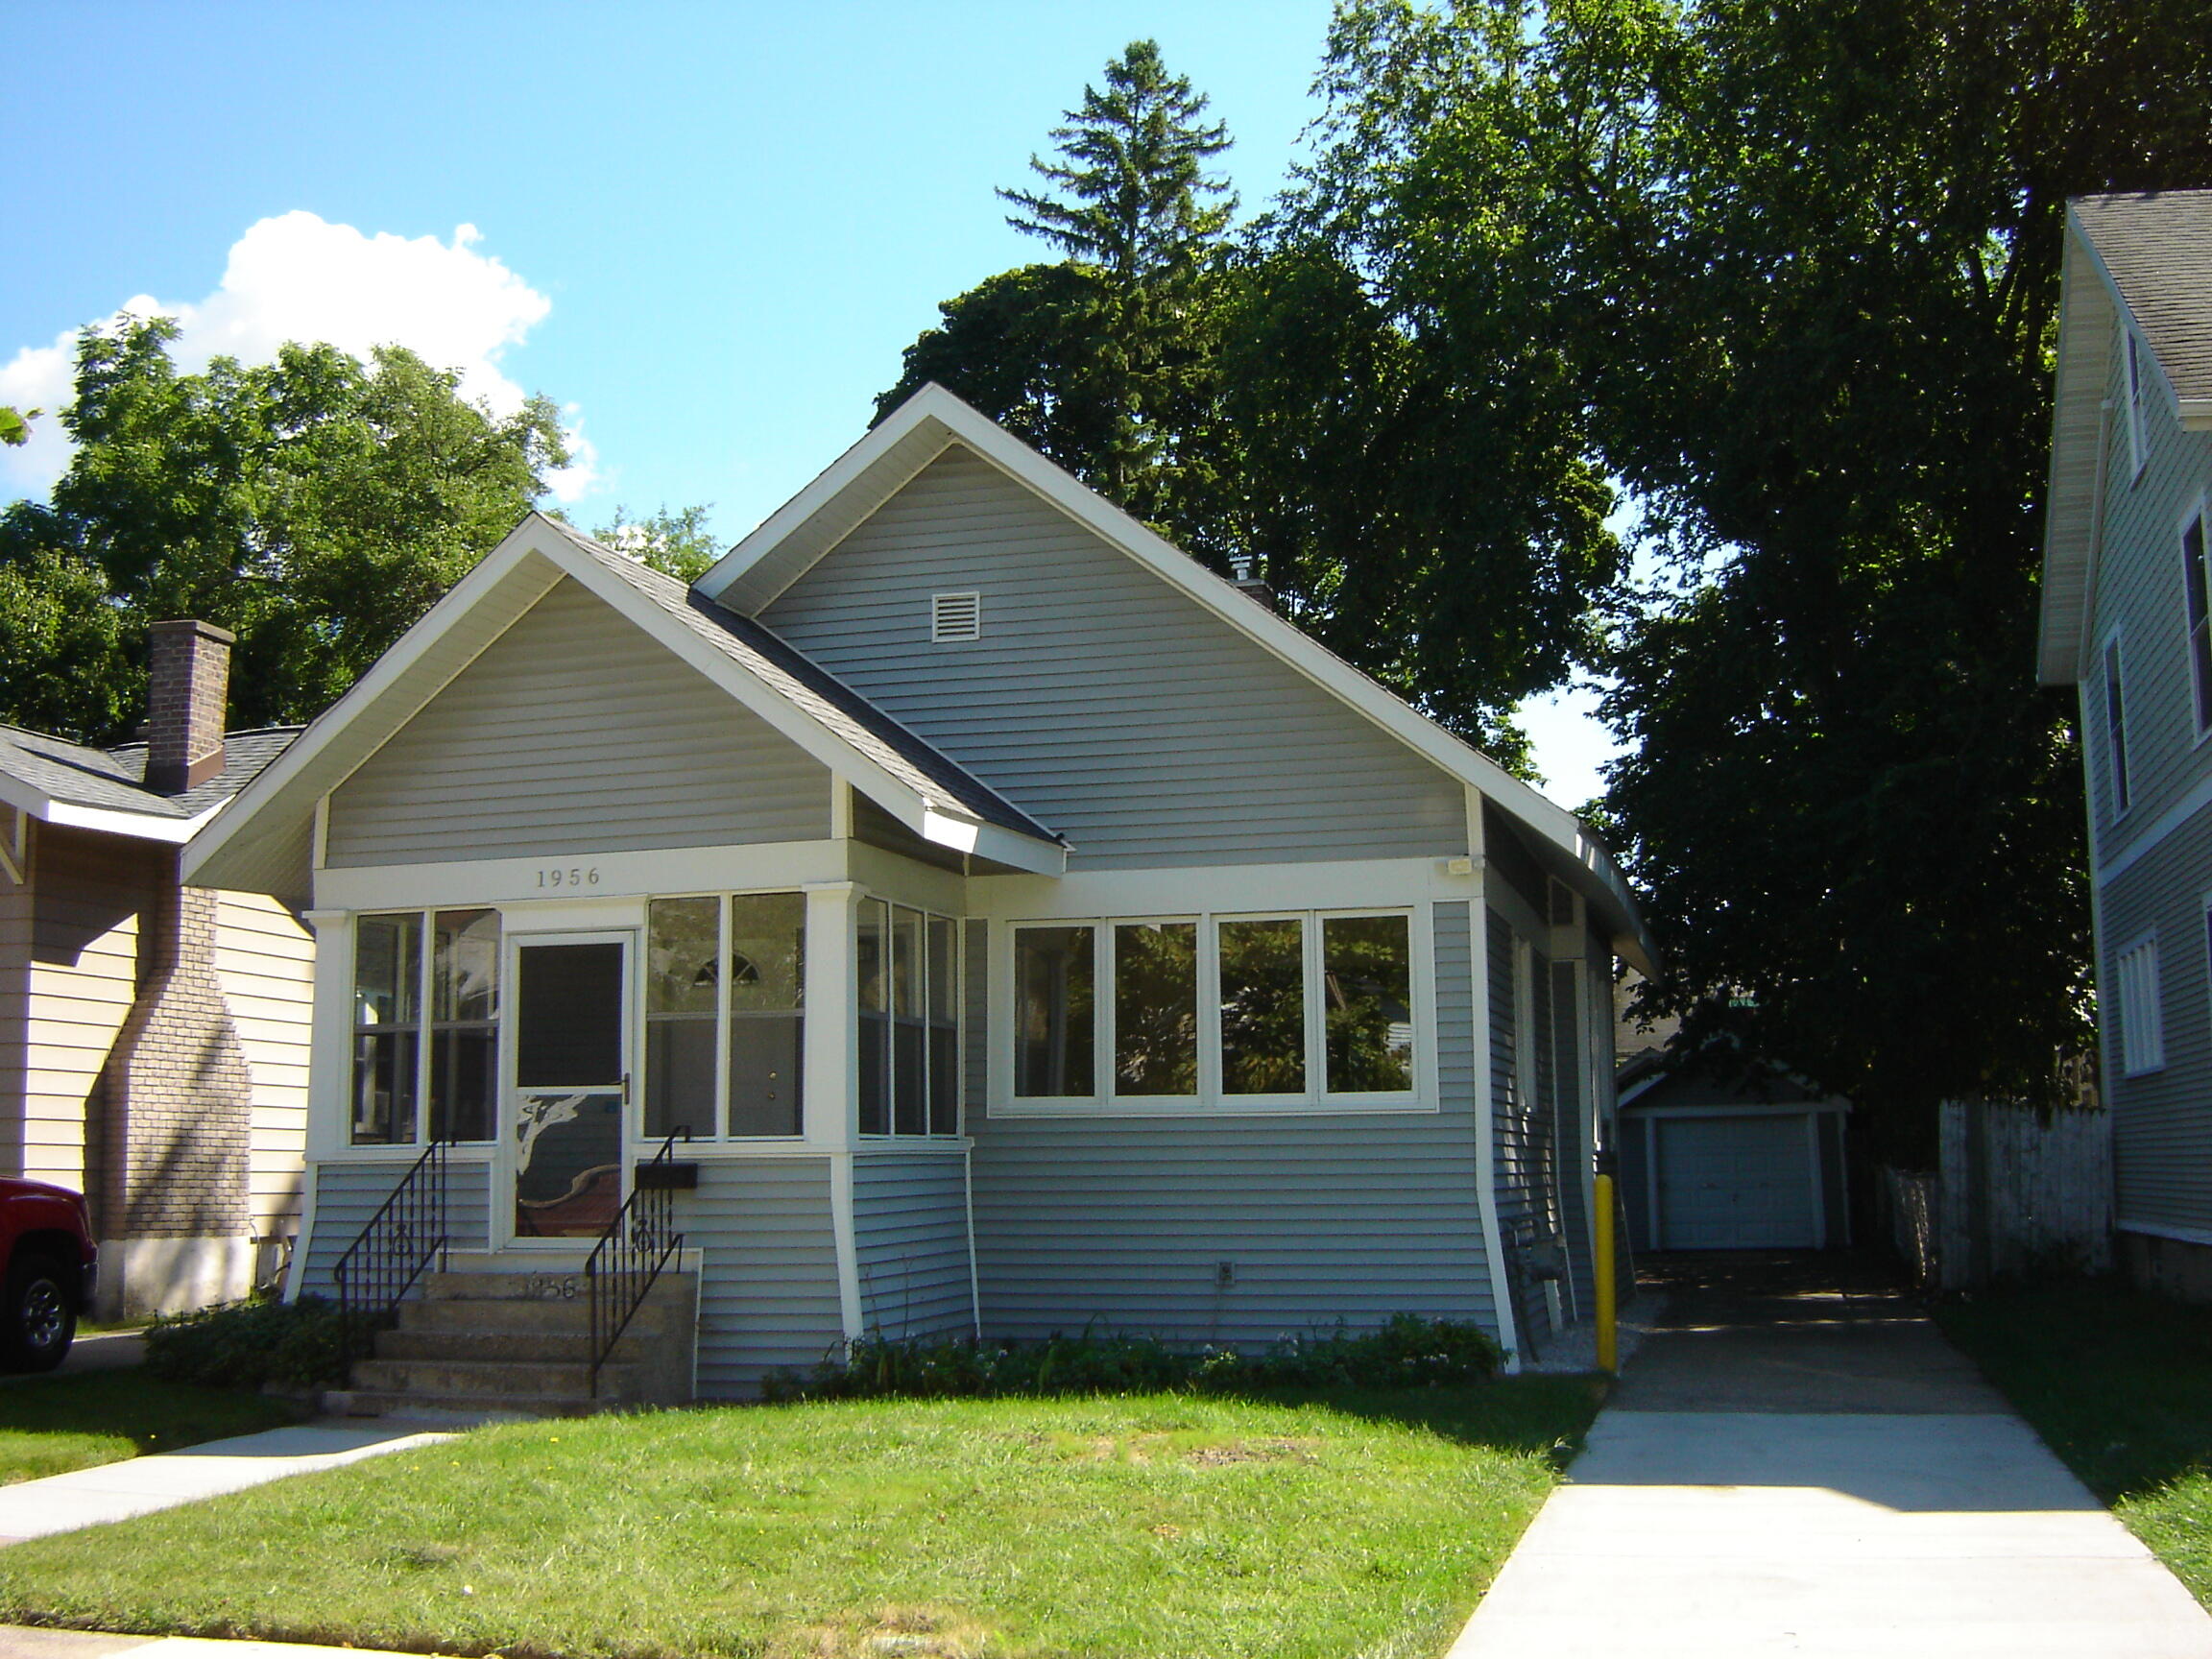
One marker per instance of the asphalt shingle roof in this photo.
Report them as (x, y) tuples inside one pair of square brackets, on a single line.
[(2157, 245), (110, 779)]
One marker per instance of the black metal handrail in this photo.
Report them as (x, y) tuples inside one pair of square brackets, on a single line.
[(382, 1263), (627, 1262)]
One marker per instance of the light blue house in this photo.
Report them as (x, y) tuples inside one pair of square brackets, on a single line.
[(1031, 930), (2125, 617)]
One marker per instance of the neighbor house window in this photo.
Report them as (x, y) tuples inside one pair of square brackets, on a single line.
[(725, 1015), (1268, 1009), (2142, 1008), (909, 1001), (417, 1078), (2196, 589), (2138, 375), (2115, 728)]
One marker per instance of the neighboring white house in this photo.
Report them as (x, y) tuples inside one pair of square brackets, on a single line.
[(1032, 930), (2126, 574)]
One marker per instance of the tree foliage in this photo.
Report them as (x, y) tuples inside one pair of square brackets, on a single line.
[(674, 541), (1799, 266), (1293, 398), (315, 506)]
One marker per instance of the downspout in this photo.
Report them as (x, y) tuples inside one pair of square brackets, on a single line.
[(1485, 1152)]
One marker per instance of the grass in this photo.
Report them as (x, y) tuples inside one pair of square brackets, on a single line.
[(1158, 1524), (52, 1425), (2119, 1383)]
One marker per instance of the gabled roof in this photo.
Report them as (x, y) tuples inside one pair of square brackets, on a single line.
[(790, 542), (2141, 261), (261, 844), (65, 782), (2156, 249)]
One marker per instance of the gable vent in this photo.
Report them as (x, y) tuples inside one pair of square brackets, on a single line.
[(956, 616)]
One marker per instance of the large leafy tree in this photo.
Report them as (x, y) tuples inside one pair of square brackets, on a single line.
[(1799, 265), (315, 506)]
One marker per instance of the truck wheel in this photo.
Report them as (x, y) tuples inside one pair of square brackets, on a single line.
[(38, 1315)]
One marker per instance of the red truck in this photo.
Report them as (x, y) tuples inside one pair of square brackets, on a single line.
[(46, 1243)]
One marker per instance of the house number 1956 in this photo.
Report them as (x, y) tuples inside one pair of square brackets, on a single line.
[(569, 876)]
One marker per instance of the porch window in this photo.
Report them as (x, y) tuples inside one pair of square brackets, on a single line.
[(725, 1015), (446, 962), (1301, 1008), (909, 999)]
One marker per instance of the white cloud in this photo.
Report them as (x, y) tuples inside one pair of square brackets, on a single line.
[(296, 277)]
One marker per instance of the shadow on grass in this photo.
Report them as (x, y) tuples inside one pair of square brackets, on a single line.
[(2118, 1383), (154, 1416), (1543, 1415)]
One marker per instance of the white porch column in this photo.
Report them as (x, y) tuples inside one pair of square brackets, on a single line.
[(831, 1095), (329, 1066)]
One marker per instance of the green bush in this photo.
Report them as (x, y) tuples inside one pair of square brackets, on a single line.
[(251, 1344), (1405, 1352)]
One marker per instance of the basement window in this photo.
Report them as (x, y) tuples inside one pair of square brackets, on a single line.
[(956, 616)]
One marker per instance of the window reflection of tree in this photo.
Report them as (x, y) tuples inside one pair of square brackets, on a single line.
[(1263, 1008), (1367, 991), (1156, 1008)]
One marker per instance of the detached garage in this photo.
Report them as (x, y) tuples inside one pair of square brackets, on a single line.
[(1750, 1163)]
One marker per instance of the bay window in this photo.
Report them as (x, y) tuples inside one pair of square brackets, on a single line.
[(445, 963), (1280, 1010)]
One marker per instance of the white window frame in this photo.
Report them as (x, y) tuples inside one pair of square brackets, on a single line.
[(425, 1026), (1210, 1100), (2134, 383), (2198, 517), (893, 1136), (2139, 1005), (2112, 726), (717, 1137)]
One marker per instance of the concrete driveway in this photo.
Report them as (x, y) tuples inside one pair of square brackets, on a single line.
[(1796, 1462)]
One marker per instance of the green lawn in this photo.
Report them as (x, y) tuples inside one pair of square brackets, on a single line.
[(52, 1425), (2120, 1385), (1160, 1525)]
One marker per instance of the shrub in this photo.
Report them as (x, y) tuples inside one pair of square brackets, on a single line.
[(1405, 1352), (251, 1344)]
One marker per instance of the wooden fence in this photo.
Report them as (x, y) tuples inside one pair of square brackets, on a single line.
[(2024, 1193)]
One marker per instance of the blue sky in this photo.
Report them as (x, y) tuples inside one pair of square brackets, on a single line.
[(705, 231)]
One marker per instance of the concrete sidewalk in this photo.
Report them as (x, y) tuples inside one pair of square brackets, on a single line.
[(1808, 1468), (141, 1485), (17, 1642)]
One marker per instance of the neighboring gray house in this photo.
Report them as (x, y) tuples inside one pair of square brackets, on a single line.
[(1034, 931), (2126, 578)]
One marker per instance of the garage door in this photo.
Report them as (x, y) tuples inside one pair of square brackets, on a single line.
[(1734, 1184)]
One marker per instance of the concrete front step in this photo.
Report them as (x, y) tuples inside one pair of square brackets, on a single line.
[(519, 1382), (457, 1409), (490, 1345), (549, 1288), (659, 1315)]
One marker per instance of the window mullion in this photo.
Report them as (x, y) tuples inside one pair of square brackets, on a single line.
[(1102, 1057), (425, 1011), (718, 1124), (1209, 1010), (1317, 1042)]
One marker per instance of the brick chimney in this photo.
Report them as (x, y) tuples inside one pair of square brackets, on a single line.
[(189, 667)]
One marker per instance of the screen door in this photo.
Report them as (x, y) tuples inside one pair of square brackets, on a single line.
[(571, 1084)]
